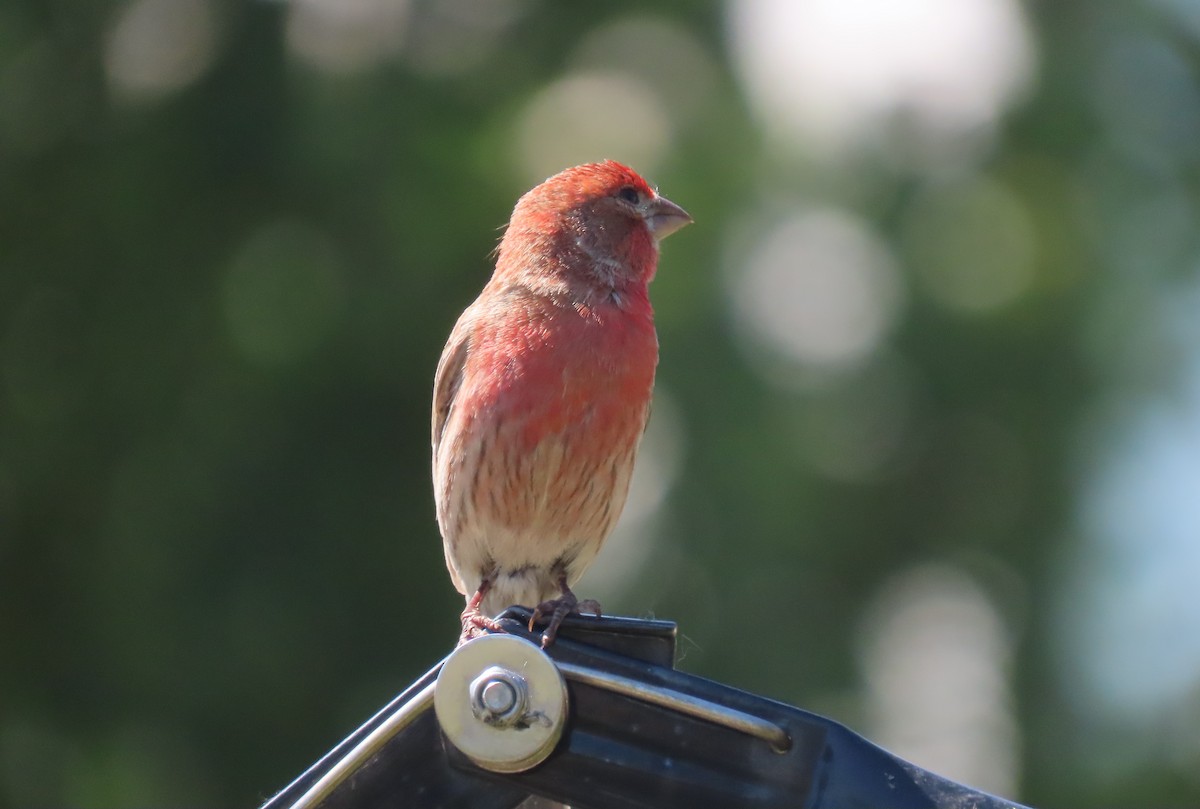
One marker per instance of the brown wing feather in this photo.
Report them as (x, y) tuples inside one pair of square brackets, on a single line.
[(448, 379)]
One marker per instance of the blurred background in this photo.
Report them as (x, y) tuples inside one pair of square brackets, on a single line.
[(925, 454)]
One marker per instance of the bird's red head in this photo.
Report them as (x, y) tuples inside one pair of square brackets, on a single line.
[(601, 222)]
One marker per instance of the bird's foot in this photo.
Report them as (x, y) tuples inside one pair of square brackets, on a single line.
[(559, 608), (475, 623)]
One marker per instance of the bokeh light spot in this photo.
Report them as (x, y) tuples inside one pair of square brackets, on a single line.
[(820, 288), (935, 653), (1147, 95), (450, 37), (656, 51), (345, 36), (591, 116), (159, 46), (972, 244), (832, 72), (283, 293), (1131, 620)]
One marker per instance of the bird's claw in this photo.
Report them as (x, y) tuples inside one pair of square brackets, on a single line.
[(475, 623), (558, 609)]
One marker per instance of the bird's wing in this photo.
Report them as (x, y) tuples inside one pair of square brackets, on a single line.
[(448, 379)]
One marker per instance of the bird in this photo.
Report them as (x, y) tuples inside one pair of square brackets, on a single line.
[(543, 392)]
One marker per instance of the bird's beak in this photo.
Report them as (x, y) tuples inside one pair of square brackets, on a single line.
[(664, 217)]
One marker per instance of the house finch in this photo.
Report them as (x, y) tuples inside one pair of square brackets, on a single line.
[(543, 391)]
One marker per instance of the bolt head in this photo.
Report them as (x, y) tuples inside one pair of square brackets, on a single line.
[(499, 697)]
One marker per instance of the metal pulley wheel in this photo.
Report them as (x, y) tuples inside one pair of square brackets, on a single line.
[(502, 702)]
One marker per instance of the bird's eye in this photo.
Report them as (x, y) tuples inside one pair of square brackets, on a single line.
[(630, 195)]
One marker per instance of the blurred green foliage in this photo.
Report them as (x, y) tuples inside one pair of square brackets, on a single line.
[(222, 298)]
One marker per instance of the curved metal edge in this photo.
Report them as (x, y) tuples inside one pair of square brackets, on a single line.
[(707, 711), (362, 752)]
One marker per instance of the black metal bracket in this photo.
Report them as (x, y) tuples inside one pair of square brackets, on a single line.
[(645, 744)]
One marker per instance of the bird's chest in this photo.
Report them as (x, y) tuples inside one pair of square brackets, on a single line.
[(582, 372)]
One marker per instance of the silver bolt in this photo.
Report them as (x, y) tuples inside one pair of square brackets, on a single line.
[(499, 697)]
